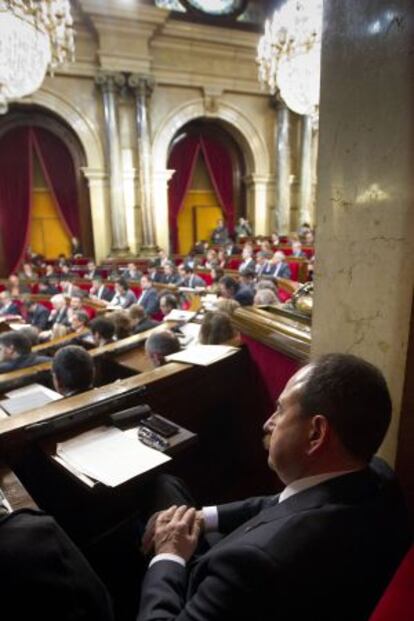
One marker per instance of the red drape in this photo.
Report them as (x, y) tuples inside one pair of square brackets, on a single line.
[(15, 194), (183, 159), (59, 172), (220, 169)]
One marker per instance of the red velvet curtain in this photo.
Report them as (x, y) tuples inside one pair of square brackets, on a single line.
[(183, 159), (15, 194), (59, 172), (220, 169)]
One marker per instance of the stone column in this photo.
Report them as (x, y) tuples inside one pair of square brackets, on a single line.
[(305, 192), (109, 83), (364, 270), (257, 190), (282, 169), (160, 181), (98, 191), (143, 87)]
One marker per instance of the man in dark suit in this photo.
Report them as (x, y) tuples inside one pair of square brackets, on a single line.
[(8, 308), (37, 315), (98, 291), (16, 352), (282, 269), (149, 296), (326, 547)]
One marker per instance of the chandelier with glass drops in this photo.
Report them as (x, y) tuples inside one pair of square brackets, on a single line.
[(35, 35), (289, 55)]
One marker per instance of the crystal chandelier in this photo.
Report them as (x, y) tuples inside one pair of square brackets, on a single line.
[(289, 55), (34, 35)]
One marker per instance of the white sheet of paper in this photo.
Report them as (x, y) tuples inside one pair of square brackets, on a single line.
[(179, 315), (28, 398), (202, 354), (109, 455)]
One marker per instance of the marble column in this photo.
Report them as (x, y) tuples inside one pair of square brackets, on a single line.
[(160, 181), (98, 191), (364, 270), (109, 83), (142, 87), (257, 192), (306, 167), (282, 224)]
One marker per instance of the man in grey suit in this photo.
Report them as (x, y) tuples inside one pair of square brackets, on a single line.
[(326, 547)]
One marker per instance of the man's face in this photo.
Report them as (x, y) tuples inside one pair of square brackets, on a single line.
[(91, 266), (224, 292), (165, 309), (145, 283), (75, 303), (75, 323), (288, 432), (6, 352)]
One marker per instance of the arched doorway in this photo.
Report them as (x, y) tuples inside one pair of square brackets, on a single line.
[(207, 184), (43, 196)]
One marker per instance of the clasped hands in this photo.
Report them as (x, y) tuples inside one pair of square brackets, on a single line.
[(174, 531)]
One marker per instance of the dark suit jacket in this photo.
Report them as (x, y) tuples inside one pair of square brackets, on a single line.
[(149, 301), (39, 317), (323, 554), (145, 324), (282, 270), (10, 309), (23, 362), (104, 293), (44, 576)]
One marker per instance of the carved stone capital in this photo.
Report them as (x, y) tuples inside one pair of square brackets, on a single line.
[(110, 82), (141, 84)]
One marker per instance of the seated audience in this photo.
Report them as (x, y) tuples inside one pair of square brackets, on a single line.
[(221, 259), (161, 344), (149, 296), (68, 287), (132, 272), (50, 271), (191, 280), (75, 305), (297, 251), (73, 370), (8, 308), (230, 288), (102, 330), (265, 268), (220, 234), (14, 286), (31, 333), (92, 271), (79, 322), (326, 547), (168, 302), (216, 274), (248, 262), (231, 248), (124, 296), (16, 352), (122, 324), (154, 271), (139, 319), (162, 258), (37, 314), (282, 269), (211, 259), (59, 313), (48, 286), (171, 277), (247, 278), (28, 273), (217, 329), (76, 247), (98, 291), (265, 297)]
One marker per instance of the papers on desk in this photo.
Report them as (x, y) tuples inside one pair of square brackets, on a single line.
[(209, 301), (202, 354), (27, 398), (108, 455), (18, 325), (179, 315)]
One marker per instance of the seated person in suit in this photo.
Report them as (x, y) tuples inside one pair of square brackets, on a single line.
[(98, 291), (265, 297), (282, 269), (49, 286), (92, 271), (243, 228), (37, 314), (16, 352), (168, 302), (15, 287), (161, 344), (231, 289), (79, 323), (122, 323), (44, 575), (191, 280), (28, 272), (132, 272), (8, 308), (124, 296), (73, 370), (326, 547), (297, 250), (170, 274), (140, 321), (102, 330), (248, 262), (149, 296)]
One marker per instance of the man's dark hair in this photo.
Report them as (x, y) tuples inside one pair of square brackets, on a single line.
[(353, 395), (230, 284), (74, 369), (162, 343), (188, 269), (169, 299), (104, 327), (82, 316), (19, 342), (122, 282)]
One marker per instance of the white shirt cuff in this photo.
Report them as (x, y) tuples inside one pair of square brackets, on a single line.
[(165, 556), (210, 515)]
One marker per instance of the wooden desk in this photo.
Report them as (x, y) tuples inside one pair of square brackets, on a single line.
[(14, 491)]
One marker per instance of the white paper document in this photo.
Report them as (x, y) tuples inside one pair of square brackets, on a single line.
[(28, 398), (179, 315), (109, 455), (202, 354)]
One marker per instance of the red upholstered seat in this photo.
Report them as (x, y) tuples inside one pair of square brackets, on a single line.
[(137, 290), (294, 270), (284, 296), (234, 264), (309, 251), (397, 603), (206, 277), (84, 285), (34, 287), (90, 311), (46, 302)]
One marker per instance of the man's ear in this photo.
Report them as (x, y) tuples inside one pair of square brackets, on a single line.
[(318, 433), (56, 384)]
